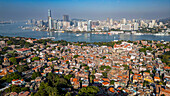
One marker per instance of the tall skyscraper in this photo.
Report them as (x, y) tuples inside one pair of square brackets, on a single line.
[(111, 21), (65, 18), (49, 13), (108, 20), (89, 24), (123, 21), (49, 19), (135, 26)]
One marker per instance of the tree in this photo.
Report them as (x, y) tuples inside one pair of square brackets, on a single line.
[(13, 88), (9, 42), (10, 77), (41, 93), (107, 68), (142, 50), (67, 77), (22, 68), (25, 89), (149, 48), (103, 57), (52, 91), (68, 94), (125, 66), (75, 56), (35, 58), (104, 74), (43, 85), (87, 67), (13, 60), (93, 72), (88, 91), (35, 74), (112, 82)]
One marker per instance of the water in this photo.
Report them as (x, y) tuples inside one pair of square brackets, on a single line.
[(13, 30)]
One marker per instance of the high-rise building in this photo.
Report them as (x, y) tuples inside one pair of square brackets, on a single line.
[(49, 13), (108, 20), (135, 26), (150, 25), (55, 24), (34, 22), (89, 24), (125, 27), (111, 21), (29, 22), (40, 23), (65, 18), (49, 19), (123, 21)]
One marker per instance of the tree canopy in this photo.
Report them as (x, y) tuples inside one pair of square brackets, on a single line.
[(88, 91)]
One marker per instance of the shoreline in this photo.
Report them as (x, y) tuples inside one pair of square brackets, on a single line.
[(107, 32)]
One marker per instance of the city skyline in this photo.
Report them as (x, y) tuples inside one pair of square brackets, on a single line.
[(81, 9)]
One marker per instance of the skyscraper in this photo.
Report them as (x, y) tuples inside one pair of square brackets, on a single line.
[(135, 26), (49, 19), (123, 21), (108, 20), (89, 25), (49, 13), (65, 18)]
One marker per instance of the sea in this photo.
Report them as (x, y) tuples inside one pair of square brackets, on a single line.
[(14, 30)]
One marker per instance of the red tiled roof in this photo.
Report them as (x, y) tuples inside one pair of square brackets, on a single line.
[(23, 49)]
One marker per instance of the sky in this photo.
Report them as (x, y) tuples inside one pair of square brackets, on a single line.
[(84, 9)]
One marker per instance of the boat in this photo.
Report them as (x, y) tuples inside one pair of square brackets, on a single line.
[(59, 31), (26, 28), (78, 34)]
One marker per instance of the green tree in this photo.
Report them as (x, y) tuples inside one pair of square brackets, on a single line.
[(35, 58), (9, 77), (103, 57), (52, 91), (41, 93), (104, 74), (112, 82), (25, 89), (13, 60), (67, 77), (22, 68), (35, 74), (9, 42), (75, 56), (68, 94), (88, 91)]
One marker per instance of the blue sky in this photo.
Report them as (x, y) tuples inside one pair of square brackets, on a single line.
[(84, 9)]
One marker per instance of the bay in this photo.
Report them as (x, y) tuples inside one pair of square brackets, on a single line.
[(14, 30)]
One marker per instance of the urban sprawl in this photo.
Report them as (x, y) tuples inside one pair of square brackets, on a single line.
[(42, 67), (134, 26)]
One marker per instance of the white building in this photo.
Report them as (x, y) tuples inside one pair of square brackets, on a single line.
[(125, 27)]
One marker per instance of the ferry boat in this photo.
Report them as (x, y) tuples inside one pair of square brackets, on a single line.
[(59, 31), (78, 34)]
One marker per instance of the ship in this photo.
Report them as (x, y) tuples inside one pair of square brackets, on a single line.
[(59, 31), (78, 34)]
